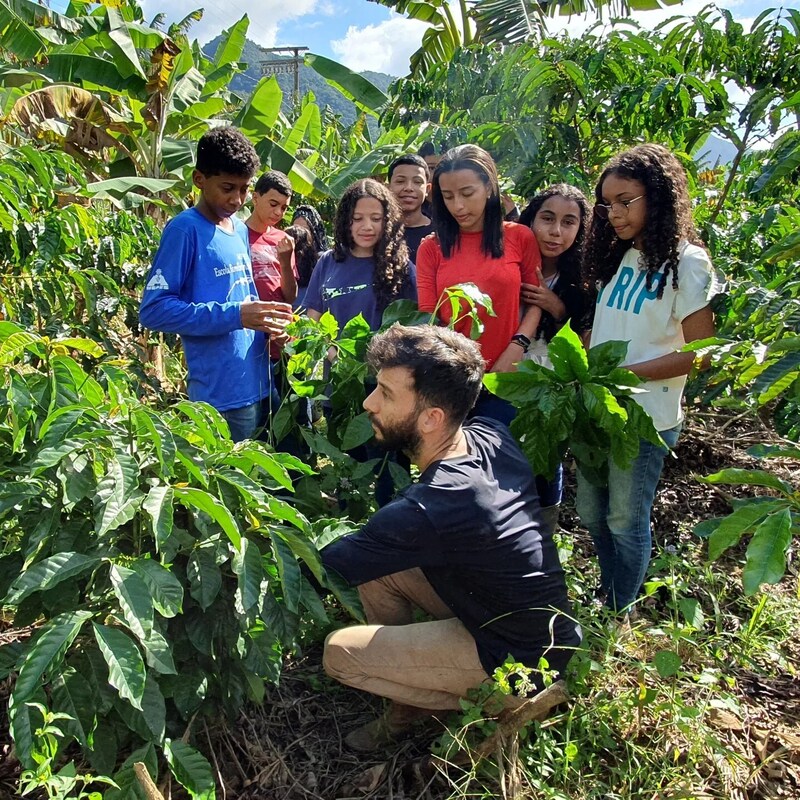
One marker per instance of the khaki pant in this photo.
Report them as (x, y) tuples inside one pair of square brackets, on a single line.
[(426, 664)]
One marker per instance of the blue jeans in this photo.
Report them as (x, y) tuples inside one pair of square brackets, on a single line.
[(246, 421), (618, 517)]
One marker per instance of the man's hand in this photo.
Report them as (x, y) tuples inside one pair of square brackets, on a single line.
[(285, 248), (268, 316)]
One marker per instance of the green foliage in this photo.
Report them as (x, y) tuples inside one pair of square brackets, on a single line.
[(67, 269), (160, 559), (584, 404), (770, 521)]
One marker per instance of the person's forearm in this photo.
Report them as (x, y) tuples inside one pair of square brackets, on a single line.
[(173, 315), (671, 365), (288, 283), (530, 322)]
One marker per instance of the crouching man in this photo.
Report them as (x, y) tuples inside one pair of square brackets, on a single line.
[(466, 544)]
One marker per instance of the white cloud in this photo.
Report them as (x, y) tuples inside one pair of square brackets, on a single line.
[(218, 15), (385, 47), (577, 25)]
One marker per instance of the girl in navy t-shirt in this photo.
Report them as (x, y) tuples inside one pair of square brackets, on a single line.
[(368, 267)]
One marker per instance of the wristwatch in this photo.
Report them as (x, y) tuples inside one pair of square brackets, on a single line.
[(523, 341)]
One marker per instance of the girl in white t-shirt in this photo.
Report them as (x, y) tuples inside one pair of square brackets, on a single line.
[(654, 288)]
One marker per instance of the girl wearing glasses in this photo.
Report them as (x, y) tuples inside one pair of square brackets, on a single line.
[(655, 283)]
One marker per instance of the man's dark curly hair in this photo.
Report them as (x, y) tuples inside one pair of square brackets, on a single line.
[(392, 273), (668, 217), (226, 149), (569, 262)]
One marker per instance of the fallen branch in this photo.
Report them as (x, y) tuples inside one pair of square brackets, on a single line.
[(143, 776)]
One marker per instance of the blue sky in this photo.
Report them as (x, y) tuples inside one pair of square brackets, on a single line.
[(365, 35)]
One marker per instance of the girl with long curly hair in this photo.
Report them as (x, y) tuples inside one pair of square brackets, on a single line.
[(559, 217), (655, 284), (472, 244), (368, 267)]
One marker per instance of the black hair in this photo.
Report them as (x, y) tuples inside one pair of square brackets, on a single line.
[(472, 157), (412, 160), (273, 180), (668, 217), (447, 368), (305, 254), (392, 273), (426, 149), (569, 262), (226, 149), (312, 217)]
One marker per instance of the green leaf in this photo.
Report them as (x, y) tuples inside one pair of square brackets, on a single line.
[(134, 600), (289, 572), (21, 730), (249, 569), (158, 653), (49, 573), (261, 112), (667, 663), (568, 356), (736, 524), (303, 549), (353, 86), (165, 589), (603, 408), (128, 784), (118, 495), (190, 769), (231, 45), (158, 504), (126, 671), (207, 503), (748, 477), (72, 695), (118, 188), (604, 358), (766, 554), (47, 651), (269, 463), (204, 576), (358, 431), (692, 612), (154, 709)]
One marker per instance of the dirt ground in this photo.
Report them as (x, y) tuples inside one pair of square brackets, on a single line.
[(291, 746)]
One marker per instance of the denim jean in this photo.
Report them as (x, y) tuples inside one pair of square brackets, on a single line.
[(246, 421), (618, 517)]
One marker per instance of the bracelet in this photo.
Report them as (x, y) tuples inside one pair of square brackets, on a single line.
[(523, 341)]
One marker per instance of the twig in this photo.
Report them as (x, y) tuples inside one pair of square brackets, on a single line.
[(146, 782), (214, 759)]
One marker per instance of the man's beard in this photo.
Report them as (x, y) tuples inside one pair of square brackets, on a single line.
[(402, 436)]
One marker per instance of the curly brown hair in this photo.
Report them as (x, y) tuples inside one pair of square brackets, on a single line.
[(668, 222), (392, 271)]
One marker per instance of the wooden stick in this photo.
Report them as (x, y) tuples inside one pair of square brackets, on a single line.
[(150, 789), (512, 720)]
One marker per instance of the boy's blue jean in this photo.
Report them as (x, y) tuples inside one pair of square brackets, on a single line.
[(618, 517), (246, 421)]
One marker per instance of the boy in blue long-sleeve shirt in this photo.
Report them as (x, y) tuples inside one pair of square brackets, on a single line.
[(201, 286)]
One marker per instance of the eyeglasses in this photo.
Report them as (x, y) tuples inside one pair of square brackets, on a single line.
[(603, 211)]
